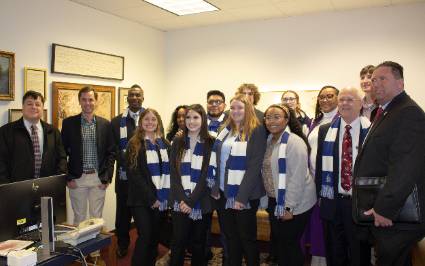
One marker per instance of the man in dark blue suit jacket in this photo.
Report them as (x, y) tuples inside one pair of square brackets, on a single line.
[(334, 186), (395, 148)]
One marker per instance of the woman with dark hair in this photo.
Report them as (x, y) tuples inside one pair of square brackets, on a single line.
[(292, 100), (148, 175), (289, 186), (190, 196), (177, 123), (235, 178)]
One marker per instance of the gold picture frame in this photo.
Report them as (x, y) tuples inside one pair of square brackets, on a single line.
[(16, 114), (122, 99), (65, 101), (7, 76), (35, 80)]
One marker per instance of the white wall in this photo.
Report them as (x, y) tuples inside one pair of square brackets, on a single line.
[(30, 27), (295, 53)]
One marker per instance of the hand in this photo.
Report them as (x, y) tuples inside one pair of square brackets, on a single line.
[(71, 184), (103, 186), (380, 221), (179, 133), (238, 206), (155, 205), (287, 216), (185, 208), (216, 197)]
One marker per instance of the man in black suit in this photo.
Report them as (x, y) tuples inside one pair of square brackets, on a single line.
[(87, 139), (338, 144), (123, 127), (29, 147), (395, 148)]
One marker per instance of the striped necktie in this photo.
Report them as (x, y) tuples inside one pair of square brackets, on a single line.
[(37, 152)]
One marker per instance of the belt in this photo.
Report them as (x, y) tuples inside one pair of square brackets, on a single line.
[(89, 171), (343, 196)]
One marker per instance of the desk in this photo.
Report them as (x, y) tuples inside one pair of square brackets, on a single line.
[(101, 242)]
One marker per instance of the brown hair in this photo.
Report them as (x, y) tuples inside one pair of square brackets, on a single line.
[(250, 121), (135, 143), (87, 89), (367, 70), (254, 90), (34, 95)]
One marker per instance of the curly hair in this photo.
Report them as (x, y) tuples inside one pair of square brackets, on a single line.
[(252, 88)]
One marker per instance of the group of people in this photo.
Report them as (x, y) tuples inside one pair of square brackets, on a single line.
[(300, 170)]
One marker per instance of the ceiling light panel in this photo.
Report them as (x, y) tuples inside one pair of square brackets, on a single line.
[(183, 7)]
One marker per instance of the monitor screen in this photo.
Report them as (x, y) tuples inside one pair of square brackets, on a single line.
[(20, 208)]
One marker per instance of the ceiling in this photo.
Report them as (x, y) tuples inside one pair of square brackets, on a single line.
[(230, 10)]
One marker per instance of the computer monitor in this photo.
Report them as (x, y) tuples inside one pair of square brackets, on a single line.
[(20, 208)]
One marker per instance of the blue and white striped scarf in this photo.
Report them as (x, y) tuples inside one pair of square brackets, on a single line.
[(327, 189), (190, 171), (160, 173), (214, 125), (236, 166), (281, 186), (124, 140)]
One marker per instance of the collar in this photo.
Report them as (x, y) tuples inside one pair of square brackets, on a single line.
[(28, 125), (355, 123), (331, 114), (84, 120)]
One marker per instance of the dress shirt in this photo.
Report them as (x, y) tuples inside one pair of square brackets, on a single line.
[(88, 137), (226, 148), (39, 133)]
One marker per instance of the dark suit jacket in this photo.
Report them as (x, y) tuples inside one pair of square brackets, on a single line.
[(252, 184), (71, 137), (121, 186), (395, 147), (328, 206), (201, 192), (17, 154), (141, 190)]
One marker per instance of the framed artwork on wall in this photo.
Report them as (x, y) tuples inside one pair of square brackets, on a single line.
[(16, 114), (87, 63), (7, 76), (122, 101), (35, 80), (65, 101)]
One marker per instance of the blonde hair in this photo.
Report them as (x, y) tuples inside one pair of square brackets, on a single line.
[(250, 121), (135, 143)]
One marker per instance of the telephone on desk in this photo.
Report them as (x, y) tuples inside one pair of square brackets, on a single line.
[(86, 230)]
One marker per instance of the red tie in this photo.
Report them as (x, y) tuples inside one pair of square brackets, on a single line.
[(347, 160), (378, 114), (37, 152)]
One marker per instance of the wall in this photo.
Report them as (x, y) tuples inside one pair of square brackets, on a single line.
[(304, 52), (30, 27)]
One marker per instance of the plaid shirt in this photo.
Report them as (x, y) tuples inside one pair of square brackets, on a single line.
[(88, 134)]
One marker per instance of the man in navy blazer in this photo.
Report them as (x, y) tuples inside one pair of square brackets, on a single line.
[(342, 246), (394, 148), (88, 142)]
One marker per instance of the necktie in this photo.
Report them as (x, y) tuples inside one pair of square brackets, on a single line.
[(136, 118), (347, 160), (37, 152), (378, 114)]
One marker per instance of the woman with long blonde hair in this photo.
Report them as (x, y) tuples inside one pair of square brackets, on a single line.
[(148, 174), (234, 176)]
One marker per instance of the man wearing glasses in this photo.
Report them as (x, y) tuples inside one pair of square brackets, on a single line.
[(215, 108)]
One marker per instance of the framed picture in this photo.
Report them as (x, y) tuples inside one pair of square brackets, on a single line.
[(16, 114), (7, 76), (82, 62), (122, 102), (65, 101), (35, 80)]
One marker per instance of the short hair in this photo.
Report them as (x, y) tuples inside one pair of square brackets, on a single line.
[(367, 70), (87, 89), (396, 68), (34, 95), (253, 89), (216, 92), (136, 86), (358, 93)]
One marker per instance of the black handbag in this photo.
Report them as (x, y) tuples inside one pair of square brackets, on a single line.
[(366, 190)]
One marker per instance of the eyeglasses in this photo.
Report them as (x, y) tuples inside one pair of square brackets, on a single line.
[(288, 99), (326, 97), (347, 100), (215, 102)]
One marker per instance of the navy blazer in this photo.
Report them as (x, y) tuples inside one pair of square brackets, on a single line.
[(72, 141), (328, 206)]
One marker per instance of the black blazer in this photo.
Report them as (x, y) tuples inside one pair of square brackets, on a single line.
[(121, 186), (71, 137), (141, 190), (201, 192), (328, 206), (252, 186), (395, 147), (17, 154)]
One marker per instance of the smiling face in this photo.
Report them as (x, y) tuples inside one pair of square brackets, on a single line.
[(181, 117), (149, 123), (135, 99), (193, 122), (87, 102), (349, 105), (290, 99), (276, 120), (32, 109), (215, 105), (237, 111), (366, 82), (328, 100)]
